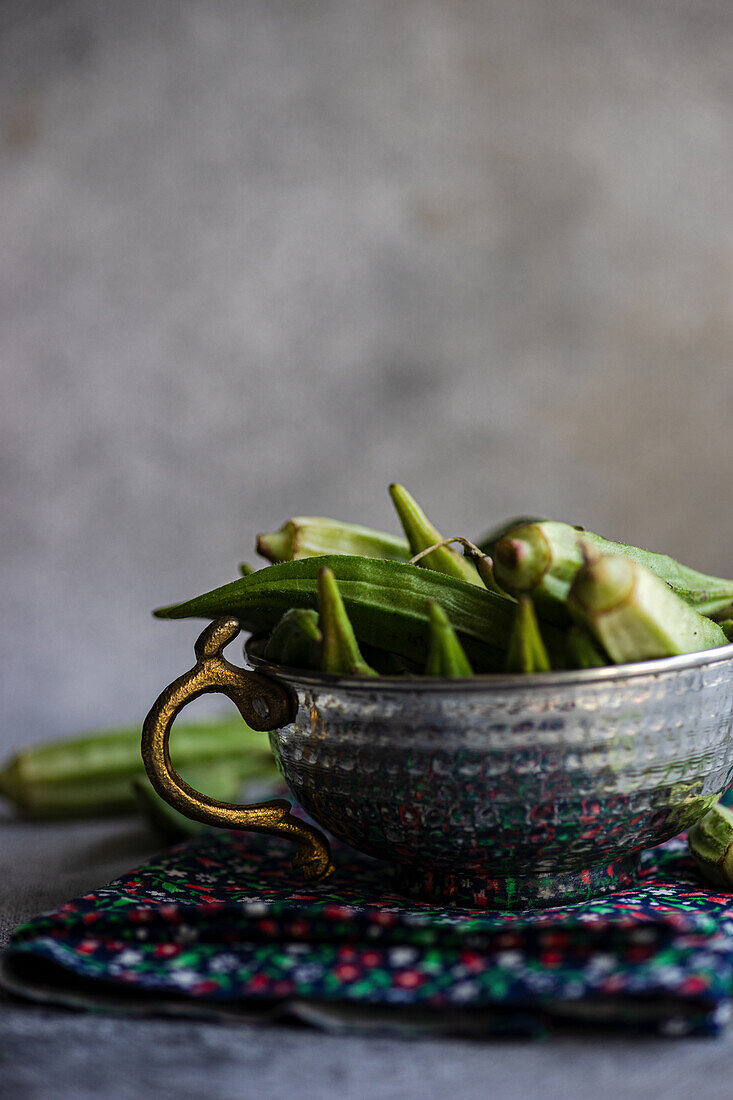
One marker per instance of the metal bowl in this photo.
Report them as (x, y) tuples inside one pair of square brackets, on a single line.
[(511, 791), (496, 791)]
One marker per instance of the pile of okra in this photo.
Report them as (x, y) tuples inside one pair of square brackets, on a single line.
[(531, 596)]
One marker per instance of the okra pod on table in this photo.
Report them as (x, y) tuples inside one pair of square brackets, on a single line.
[(220, 781), (421, 535), (313, 536), (542, 559), (386, 602), (634, 615), (91, 775), (446, 656)]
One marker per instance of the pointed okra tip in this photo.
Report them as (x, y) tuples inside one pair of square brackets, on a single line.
[(340, 651), (446, 656)]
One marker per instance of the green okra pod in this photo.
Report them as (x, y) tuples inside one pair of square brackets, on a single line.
[(446, 656), (219, 780), (582, 650), (542, 559), (711, 845), (91, 776), (340, 653), (296, 640), (527, 651), (634, 615), (421, 535), (312, 536), (386, 602)]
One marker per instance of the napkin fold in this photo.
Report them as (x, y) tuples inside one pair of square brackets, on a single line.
[(223, 926)]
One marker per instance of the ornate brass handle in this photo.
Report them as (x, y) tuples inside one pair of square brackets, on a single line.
[(265, 705)]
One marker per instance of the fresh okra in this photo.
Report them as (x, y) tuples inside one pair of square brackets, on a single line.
[(711, 845), (312, 536), (421, 535), (527, 652), (582, 651), (220, 781), (340, 652), (446, 656), (543, 558), (634, 615), (296, 640), (91, 776), (386, 602)]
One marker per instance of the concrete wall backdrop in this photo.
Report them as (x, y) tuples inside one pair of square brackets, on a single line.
[(263, 258)]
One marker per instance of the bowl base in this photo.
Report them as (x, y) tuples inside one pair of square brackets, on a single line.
[(446, 887)]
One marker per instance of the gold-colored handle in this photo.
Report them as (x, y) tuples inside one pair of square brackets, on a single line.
[(265, 705)]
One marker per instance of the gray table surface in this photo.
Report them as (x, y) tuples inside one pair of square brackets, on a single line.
[(54, 1053)]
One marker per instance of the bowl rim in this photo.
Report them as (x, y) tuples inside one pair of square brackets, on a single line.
[(500, 681)]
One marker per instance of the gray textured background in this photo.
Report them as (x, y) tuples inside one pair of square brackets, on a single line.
[(264, 257)]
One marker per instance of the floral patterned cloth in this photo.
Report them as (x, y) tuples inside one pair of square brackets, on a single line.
[(224, 920)]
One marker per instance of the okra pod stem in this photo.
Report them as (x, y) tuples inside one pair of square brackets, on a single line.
[(340, 652), (311, 536), (527, 652), (446, 656), (421, 535), (484, 564), (634, 615)]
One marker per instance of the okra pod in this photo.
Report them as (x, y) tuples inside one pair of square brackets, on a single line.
[(312, 536), (421, 535), (296, 640), (91, 775), (340, 652), (711, 845), (386, 602), (582, 651), (527, 652), (446, 656), (634, 615), (219, 780), (543, 558)]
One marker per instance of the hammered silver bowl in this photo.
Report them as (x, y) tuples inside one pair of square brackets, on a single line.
[(508, 791)]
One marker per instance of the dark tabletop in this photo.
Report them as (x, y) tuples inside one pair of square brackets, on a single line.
[(56, 1053)]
